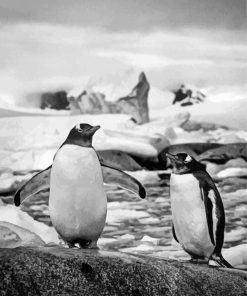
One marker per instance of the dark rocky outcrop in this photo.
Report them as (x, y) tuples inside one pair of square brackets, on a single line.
[(149, 163), (233, 184), (57, 100), (136, 103), (192, 125), (89, 103), (119, 160), (187, 97), (61, 271), (226, 152)]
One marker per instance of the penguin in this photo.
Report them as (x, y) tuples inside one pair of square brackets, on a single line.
[(77, 200), (197, 210)]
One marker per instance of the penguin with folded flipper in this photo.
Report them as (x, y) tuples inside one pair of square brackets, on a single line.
[(197, 210), (77, 201)]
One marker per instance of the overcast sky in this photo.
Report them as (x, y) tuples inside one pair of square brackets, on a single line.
[(61, 41)]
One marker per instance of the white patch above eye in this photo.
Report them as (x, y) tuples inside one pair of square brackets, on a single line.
[(188, 159), (78, 126)]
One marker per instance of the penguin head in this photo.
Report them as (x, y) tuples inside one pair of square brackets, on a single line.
[(82, 135), (184, 163)]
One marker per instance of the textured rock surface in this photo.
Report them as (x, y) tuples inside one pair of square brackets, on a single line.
[(60, 271), (57, 100), (119, 159), (192, 125), (136, 103), (89, 103), (226, 152)]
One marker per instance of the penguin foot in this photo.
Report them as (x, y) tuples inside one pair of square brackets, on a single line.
[(198, 261), (51, 244), (219, 261), (70, 245), (89, 245)]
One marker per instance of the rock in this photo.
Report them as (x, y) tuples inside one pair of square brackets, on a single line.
[(89, 103), (233, 184), (192, 125), (13, 236), (186, 96), (237, 168), (136, 103), (57, 100), (225, 153), (119, 159), (43, 270)]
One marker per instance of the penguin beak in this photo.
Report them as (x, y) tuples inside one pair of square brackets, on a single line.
[(94, 129)]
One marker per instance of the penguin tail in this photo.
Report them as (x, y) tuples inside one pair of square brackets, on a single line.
[(218, 260)]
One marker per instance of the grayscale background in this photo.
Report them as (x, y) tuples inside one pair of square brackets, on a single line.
[(65, 62)]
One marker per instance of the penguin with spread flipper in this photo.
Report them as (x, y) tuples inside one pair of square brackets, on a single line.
[(197, 210), (77, 201)]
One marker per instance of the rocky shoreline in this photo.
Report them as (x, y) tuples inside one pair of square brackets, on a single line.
[(60, 271)]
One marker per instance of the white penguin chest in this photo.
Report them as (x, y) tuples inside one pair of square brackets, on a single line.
[(188, 214), (77, 198)]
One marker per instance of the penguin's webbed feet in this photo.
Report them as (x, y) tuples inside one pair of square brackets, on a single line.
[(89, 245), (198, 260), (71, 245), (219, 261)]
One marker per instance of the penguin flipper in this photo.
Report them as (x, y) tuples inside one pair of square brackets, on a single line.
[(37, 183), (115, 176)]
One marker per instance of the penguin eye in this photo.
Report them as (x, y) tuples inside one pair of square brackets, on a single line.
[(187, 159)]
